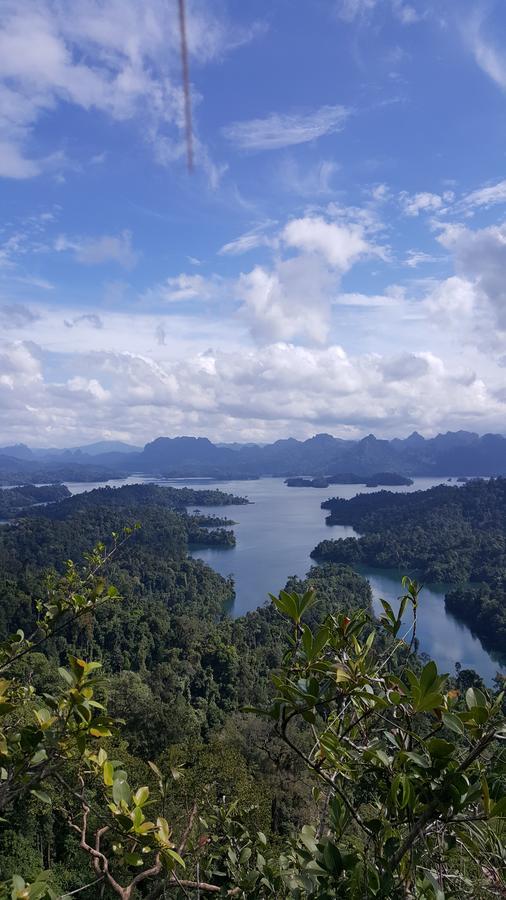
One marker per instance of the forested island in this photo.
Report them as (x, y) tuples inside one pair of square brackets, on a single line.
[(447, 534), (383, 479), (15, 500)]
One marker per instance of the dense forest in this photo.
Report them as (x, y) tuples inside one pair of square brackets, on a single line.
[(447, 534), (177, 668), (246, 735), (16, 499), (376, 480)]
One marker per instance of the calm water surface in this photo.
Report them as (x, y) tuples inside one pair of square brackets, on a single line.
[(275, 535)]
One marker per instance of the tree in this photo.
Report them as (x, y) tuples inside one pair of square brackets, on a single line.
[(408, 778)]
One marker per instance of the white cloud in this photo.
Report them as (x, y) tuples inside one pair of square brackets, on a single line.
[(248, 241), (183, 287), (339, 245), (120, 57), (415, 258), (239, 393), (13, 164), (489, 58), (306, 180), (15, 315), (291, 300), (286, 129), (349, 10), (485, 196), (452, 300), (90, 319), (103, 249), (366, 300), (424, 201), (405, 12), (480, 257)]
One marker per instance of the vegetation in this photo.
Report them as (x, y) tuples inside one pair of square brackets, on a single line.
[(446, 534), (149, 495), (380, 478), (15, 500), (150, 745), (407, 787)]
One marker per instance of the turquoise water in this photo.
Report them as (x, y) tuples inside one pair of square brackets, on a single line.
[(275, 535)]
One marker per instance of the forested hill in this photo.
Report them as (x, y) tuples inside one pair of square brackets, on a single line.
[(177, 667), (144, 495), (447, 534)]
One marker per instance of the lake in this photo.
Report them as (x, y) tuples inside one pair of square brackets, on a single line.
[(275, 535)]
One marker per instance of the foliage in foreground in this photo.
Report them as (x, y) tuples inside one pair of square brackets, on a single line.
[(408, 776)]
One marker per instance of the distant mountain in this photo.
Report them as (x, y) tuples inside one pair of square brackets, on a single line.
[(451, 454), (97, 449), (108, 447), (23, 471), (17, 451)]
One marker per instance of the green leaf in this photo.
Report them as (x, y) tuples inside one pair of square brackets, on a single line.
[(134, 859), (42, 796), (332, 858), (173, 855), (428, 677), (453, 722), (439, 748), (428, 702), (38, 757), (475, 697), (141, 795), (121, 792)]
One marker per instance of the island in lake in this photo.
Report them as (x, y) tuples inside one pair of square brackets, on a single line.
[(448, 534), (379, 479)]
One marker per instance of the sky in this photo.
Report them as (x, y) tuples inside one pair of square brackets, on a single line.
[(336, 262)]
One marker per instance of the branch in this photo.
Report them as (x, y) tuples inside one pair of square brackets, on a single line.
[(83, 888), (431, 811), (187, 831), (353, 813)]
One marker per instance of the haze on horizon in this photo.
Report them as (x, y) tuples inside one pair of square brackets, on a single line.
[(336, 263)]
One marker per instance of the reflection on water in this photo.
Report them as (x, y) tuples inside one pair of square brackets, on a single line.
[(439, 633), (275, 535)]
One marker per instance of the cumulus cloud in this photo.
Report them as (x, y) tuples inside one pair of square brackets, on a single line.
[(104, 249), (293, 298), (480, 257), (238, 393), (340, 246), (290, 300), (452, 300), (286, 129)]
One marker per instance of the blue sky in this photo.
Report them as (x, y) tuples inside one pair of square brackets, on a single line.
[(336, 261)]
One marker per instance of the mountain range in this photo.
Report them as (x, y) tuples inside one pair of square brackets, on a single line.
[(451, 454)]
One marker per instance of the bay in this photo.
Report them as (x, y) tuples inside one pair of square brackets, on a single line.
[(275, 534)]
